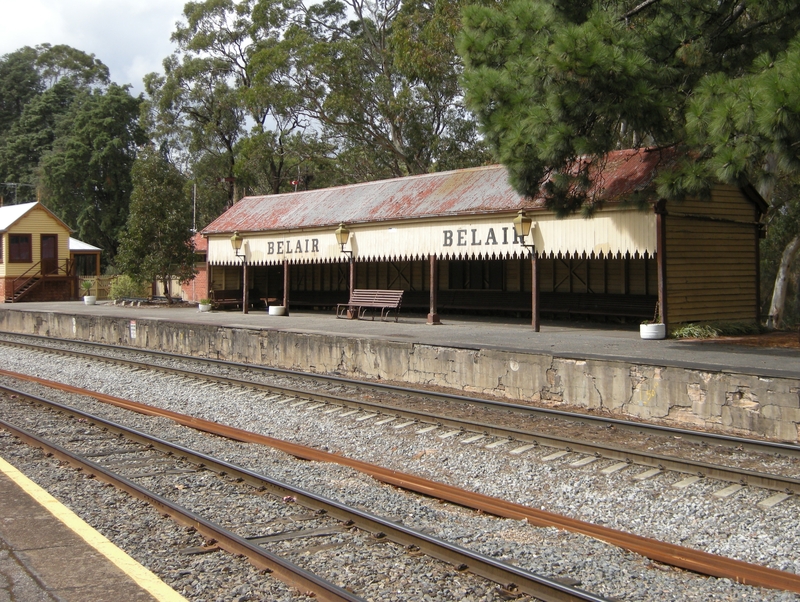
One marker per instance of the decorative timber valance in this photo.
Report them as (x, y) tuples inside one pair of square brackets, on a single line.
[(611, 232)]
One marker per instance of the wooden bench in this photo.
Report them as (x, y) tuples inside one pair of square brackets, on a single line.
[(225, 297), (363, 300)]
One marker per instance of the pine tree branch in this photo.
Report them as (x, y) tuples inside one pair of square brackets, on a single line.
[(637, 9)]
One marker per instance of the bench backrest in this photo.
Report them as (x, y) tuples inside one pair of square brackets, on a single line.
[(388, 297)]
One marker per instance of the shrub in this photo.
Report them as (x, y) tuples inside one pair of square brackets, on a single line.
[(125, 287), (87, 285)]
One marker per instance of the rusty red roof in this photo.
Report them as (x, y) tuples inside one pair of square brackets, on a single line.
[(462, 192), (200, 243)]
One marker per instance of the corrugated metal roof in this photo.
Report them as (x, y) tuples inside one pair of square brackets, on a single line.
[(462, 192), (79, 245), (11, 213)]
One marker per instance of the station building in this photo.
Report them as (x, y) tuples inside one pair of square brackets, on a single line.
[(39, 260), (448, 240)]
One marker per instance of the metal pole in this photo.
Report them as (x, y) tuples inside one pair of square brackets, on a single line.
[(352, 275), (286, 285), (534, 291), (245, 295), (433, 317)]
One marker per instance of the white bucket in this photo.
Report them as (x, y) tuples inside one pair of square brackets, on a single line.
[(277, 310), (653, 331)]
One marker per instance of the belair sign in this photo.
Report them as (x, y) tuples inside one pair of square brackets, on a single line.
[(471, 237)]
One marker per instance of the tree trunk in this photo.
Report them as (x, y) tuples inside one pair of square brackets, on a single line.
[(781, 281), (166, 281)]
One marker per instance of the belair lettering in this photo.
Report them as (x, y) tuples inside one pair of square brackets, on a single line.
[(470, 237), (290, 247)]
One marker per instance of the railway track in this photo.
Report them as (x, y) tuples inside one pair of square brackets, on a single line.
[(492, 431), (671, 554), (358, 408), (99, 438)]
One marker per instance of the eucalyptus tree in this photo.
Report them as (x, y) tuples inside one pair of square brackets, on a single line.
[(227, 87), (381, 77)]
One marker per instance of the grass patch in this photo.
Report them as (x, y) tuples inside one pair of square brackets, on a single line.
[(709, 330)]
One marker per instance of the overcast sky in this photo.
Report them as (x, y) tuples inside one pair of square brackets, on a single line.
[(130, 36)]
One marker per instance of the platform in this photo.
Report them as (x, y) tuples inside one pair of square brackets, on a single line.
[(570, 340), (47, 553)]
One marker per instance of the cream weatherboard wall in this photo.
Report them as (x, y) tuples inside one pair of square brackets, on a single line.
[(35, 222)]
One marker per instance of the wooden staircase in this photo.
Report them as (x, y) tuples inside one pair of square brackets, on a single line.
[(23, 289)]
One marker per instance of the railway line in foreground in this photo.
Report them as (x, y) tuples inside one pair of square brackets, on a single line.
[(123, 457), (291, 402)]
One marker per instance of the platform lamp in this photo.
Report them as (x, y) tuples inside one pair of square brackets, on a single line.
[(342, 236), (236, 243), (522, 228)]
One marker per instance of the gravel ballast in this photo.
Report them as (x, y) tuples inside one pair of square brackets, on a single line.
[(734, 526)]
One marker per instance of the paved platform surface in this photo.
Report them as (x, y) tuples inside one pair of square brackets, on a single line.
[(48, 554), (561, 339)]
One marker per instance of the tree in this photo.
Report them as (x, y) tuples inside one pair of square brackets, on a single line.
[(382, 79), (33, 133), (86, 176), (230, 70), (557, 85), (157, 241), (19, 83), (37, 88)]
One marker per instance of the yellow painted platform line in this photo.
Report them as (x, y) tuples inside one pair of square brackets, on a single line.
[(142, 576)]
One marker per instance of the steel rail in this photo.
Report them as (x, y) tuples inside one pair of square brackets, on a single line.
[(762, 446), (510, 576), (675, 555), (284, 570), (663, 462)]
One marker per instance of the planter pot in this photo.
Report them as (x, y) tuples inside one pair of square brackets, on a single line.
[(277, 310), (653, 331), (90, 299), (204, 307)]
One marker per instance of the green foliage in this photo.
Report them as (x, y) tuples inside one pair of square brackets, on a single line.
[(69, 137), (556, 86), (127, 287), (86, 176), (783, 225), (87, 285), (382, 77), (334, 93), (156, 244), (19, 83), (710, 330)]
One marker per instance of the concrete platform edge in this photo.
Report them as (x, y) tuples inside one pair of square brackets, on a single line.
[(143, 577), (721, 399)]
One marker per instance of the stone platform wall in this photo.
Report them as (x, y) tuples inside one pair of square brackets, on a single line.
[(735, 403)]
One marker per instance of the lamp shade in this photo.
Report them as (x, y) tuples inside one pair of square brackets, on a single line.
[(342, 234), (236, 241), (522, 224)]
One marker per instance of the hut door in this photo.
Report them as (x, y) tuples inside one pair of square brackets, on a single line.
[(49, 244)]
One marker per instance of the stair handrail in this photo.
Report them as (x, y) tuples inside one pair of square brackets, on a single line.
[(64, 266), (25, 278)]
